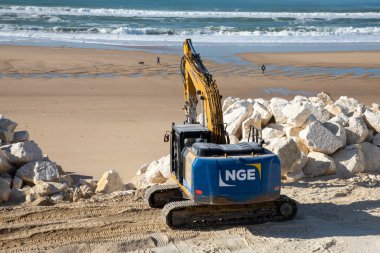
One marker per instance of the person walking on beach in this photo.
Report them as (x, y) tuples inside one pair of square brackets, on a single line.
[(158, 61), (263, 69)]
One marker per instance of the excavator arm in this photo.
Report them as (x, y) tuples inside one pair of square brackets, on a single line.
[(198, 82)]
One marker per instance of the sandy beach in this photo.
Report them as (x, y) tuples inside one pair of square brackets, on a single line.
[(94, 110)]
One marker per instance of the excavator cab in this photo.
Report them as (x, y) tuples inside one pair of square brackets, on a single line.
[(184, 136)]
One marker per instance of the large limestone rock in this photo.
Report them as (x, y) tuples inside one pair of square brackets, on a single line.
[(347, 105), (349, 161), (272, 131), (5, 190), (235, 115), (5, 166), (334, 109), (22, 152), (6, 136), (265, 113), (164, 166), (7, 177), (227, 102), (110, 182), (288, 152), (318, 111), (292, 131), (340, 119), (276, 106), (325, 98), (356, 131), (296, 114), (319, 164), (253, 121), (36, 171), (320, 139), (371, 157), (19, 195), (372, 119), (233, 139), (153, 174), (338, 130), (17, 183), (49, 188), (21, 136), (7, 124), (376, 140)]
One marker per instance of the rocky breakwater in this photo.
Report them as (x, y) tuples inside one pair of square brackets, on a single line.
[(313, 136), (27, 175)]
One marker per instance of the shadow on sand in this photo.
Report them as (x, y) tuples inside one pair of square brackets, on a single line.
[(318, 220)]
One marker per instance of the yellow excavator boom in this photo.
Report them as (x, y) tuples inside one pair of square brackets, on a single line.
[(198, 82)]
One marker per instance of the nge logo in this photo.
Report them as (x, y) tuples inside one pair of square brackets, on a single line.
[(231, 176)]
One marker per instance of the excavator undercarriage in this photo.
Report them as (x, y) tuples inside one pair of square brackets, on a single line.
[(181, 213)]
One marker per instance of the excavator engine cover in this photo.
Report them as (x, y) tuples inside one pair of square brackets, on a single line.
[(244, 173)]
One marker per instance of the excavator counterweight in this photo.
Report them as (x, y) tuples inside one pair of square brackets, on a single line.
[(216, 183)]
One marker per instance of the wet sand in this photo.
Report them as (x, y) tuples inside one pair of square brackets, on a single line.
[(94, 110)]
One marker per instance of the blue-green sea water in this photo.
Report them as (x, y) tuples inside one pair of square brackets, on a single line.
[(169, 22)]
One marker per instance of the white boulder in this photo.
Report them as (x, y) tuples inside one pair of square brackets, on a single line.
[(49, 188), (5, 190), (235, 115), (296, 114), (376, 140), (288, 152), (265, 113), (338, 130), (347, 105), (340, 119), (318, 138), (6, 136), (153, 174), (319, 164), (356, 131), (271, 132), (164, 166), (292, 131), (7, 124), (371, 157), (253, 121), (372, 119), (21, 136), (19, 195), (233, 139), (334, 109), (110, 182), (227, 102), (325, 98), (276, 106), (39, 171), (17, 183), (318, 111), (22, 152), (5, 166), (375, 107), (349, 161)]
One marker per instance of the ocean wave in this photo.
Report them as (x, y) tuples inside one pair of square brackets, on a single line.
[(306, 31), (38, 10), (120, 36)]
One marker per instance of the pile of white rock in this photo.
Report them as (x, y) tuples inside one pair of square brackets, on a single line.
[(26, 175), (313, 136)]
